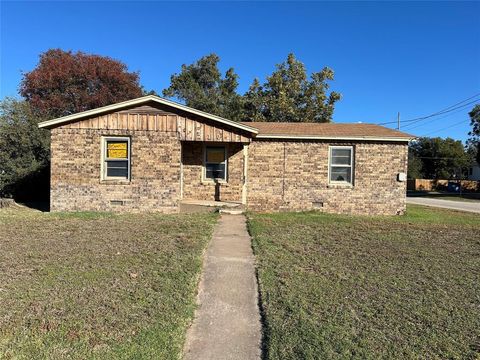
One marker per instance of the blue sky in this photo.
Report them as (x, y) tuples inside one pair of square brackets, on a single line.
[(412, 57)]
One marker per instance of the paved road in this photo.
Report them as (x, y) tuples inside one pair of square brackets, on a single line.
[(448, 204), (227, 322)]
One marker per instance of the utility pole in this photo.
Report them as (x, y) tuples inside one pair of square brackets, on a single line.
[(398, 120)]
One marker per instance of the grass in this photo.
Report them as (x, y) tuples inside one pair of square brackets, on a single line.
[(344, 287), (98, 285)]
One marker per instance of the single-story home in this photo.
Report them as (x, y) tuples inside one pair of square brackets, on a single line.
[(474, 171), (150, 154)]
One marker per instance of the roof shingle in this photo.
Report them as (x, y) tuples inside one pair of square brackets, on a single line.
[(328, 130)]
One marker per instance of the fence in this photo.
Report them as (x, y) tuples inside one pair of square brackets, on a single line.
[(441, 185)]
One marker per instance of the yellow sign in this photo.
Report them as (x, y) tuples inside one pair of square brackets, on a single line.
[(117, 150), (215, 155)]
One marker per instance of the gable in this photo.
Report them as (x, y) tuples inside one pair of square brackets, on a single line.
[(153, 116), (151, 100)]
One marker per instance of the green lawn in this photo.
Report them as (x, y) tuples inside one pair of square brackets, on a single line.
[(92, 285), (342, 287)]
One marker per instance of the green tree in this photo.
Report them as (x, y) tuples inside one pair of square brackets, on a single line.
[(289, 95), (441, 158), (474, 140), (254, 107), (414, 166), (24, 149), (201, 86)]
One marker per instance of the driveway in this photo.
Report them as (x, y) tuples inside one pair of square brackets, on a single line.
[(448, 204)]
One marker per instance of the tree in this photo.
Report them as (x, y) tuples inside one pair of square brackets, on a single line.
[(288, 95), (440, 158), (254, 106), (474, 141), (64, 83), (414, 166), (201, 86), (24, 150)]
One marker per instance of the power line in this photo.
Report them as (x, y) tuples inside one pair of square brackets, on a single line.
[(431, 120), (471, 97), (445, 128), (461, 107), (448, 109), (415, 120)]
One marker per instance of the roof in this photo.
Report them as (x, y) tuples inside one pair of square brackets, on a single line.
[(352, 131), (139, 101), (260, 130)]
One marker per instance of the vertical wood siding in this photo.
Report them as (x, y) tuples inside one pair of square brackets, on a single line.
[(188, 129)]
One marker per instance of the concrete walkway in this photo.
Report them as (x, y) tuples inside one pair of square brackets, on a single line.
[(448, 204), (227, 322)]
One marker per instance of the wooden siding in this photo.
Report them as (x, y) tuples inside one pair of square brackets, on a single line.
[(188, 129), (144, 109), (128, 121), (196, 130)]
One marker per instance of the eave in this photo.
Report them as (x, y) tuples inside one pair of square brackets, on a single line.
[(345, 138)]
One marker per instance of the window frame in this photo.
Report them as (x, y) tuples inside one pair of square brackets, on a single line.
[(205, 163), (104, 159), (351, 166)]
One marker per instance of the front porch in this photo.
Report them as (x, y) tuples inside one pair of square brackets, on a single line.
[(213, 173)]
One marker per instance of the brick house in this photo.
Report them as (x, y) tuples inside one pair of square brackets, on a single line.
[(150, 154)]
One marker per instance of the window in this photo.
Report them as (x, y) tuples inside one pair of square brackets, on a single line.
[(215, 163), (116, 158), (341, 164)]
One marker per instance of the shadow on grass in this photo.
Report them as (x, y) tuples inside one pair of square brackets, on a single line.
[(43, 206), (31, 190)]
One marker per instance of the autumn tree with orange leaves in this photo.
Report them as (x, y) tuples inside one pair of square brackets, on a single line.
[(64, 83), (61, 84)]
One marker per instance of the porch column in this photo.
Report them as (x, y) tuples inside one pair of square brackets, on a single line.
[(181, 170), (245, 174)]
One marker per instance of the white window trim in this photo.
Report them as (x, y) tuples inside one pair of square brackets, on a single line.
[(103, 158), (204, 170), (352, 166)]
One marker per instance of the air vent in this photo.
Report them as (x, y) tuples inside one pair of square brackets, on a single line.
[(117, 202), (317, 204)]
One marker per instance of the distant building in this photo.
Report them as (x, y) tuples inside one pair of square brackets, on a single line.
[(474, 172)]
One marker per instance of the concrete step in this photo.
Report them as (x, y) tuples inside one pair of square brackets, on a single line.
[(233, 211), (217, 204)]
